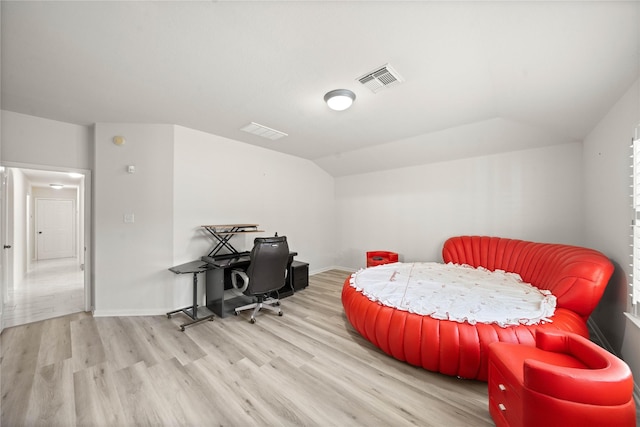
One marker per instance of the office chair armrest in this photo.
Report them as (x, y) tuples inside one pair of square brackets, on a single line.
[(234, 281)]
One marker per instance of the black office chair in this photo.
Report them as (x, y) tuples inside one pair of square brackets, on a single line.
[(267, 273)]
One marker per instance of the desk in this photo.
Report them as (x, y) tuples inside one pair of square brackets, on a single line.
[(193, 311), (223, 233), (221, 298)]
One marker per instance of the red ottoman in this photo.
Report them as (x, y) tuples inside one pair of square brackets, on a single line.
[(566, 380), (381, 257)]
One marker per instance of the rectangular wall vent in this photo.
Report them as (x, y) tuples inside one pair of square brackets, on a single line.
[(263, 131), (381, 78)]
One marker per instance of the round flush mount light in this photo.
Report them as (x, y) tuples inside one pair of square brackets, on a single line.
[(118, 140), (339, 99)]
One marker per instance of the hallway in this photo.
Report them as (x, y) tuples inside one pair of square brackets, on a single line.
[(52, 288)]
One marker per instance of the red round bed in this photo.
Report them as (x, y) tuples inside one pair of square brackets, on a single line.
[(576, 276)]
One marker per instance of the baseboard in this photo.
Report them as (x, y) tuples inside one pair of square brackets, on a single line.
[(333, 267), (347, 269), (130, 313)]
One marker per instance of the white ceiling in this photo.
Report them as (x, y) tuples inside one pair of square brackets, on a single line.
[(44, 178), (477, 74)]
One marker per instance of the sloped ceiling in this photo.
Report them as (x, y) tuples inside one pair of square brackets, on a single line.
[(480, 77)]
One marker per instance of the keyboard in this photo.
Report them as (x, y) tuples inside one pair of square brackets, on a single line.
[(227, 261)]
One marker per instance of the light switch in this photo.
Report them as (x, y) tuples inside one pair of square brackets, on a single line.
[(129, 218)]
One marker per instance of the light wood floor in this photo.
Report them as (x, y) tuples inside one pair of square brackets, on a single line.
[(51, 288), (307, 368)]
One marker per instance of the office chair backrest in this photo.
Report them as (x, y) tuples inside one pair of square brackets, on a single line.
[(268, 265)]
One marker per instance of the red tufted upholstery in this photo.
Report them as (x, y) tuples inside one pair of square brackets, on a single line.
[(576, 276), (460, 349), (566, 380)]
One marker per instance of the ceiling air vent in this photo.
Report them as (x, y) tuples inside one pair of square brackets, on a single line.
[(381, 78), (263, 131)]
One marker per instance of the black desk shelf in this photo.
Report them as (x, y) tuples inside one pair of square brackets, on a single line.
[(197, 314), (299, 275), (297, 279), (219, 298), (220, 301)]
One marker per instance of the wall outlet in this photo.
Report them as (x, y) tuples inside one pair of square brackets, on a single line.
[(129, 218)]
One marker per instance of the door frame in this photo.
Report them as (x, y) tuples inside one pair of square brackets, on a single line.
[(84, 217), (4, 256)]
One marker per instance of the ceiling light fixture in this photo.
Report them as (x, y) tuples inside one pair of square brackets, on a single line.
[(339, 99), (56, 186)]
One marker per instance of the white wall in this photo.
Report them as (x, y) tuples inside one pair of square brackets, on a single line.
[(608, 217), (477, 139), (532, 194), (184, 179), (131, 259), (34, 140), (221, 181), (282, 193)]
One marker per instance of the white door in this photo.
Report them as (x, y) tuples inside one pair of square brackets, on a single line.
[(4, 259), (55, 228)]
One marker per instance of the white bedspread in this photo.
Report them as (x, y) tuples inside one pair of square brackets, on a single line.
[(456, 292)]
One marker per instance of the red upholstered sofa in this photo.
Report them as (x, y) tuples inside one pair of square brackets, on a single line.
[(576, 276), (380, 257), (566, 380)]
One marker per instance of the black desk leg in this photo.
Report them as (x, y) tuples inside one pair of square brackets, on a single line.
[(192, 311), (195, 297)]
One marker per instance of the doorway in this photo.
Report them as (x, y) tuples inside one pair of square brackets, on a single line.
[(48, 233)]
